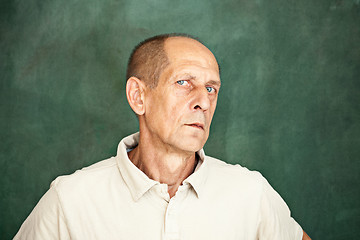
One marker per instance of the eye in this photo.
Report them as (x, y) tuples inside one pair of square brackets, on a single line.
[(182, 82), (210, 89)]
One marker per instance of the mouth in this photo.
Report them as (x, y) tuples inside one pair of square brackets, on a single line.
[(196, 125)]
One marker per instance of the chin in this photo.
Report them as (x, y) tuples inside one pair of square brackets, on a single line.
[(192, 145)]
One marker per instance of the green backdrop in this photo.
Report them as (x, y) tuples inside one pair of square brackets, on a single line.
[(289, 106)]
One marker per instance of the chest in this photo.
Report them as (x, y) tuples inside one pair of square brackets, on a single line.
[(185, 216)]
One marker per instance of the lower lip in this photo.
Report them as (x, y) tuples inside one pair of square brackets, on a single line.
[(195, 126)]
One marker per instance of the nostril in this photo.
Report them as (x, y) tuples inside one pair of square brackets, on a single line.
[(197, 107)]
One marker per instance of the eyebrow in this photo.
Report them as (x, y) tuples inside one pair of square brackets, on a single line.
[(212, 82), (188, 75)]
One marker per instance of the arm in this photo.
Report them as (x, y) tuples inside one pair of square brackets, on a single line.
[(305, 236), (276, 220), (46, 221)]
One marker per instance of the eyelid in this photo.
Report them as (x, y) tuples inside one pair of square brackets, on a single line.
[(186, 82), (215, 90)]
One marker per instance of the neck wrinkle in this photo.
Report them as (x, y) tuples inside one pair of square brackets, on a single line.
[(161, 165)]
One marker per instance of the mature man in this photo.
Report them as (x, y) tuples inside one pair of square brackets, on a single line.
[(161, 185)]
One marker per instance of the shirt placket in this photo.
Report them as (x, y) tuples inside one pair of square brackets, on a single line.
[(171, 221), (172, 228)]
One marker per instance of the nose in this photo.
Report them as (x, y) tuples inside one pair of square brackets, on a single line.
[(201, 100)]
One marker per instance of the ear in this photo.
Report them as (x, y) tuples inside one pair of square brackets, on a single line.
[(135, 95)]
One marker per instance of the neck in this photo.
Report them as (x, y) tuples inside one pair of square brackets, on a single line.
[(162, 165)]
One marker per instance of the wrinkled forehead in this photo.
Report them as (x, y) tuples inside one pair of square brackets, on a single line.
[(182, 49)]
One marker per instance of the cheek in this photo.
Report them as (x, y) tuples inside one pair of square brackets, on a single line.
[(174, 109), (166, 110), (154, 110)]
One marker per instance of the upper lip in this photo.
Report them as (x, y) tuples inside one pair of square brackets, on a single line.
[(196, 124)]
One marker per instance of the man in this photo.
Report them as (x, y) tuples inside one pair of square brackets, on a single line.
[(161, 185)]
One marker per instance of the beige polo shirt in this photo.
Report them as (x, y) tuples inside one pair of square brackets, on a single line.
[(113, 199)]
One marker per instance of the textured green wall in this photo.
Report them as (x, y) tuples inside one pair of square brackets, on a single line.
[(289, 104)]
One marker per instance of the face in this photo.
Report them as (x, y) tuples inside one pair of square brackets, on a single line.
[(178, 112)]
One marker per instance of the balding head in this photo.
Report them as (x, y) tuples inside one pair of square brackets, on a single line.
[(150, 57), (180, 49)]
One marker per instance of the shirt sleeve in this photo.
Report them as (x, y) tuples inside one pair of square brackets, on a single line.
[(46, 221), (276, 222)]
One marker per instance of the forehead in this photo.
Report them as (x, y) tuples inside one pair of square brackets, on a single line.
[(187, 51)]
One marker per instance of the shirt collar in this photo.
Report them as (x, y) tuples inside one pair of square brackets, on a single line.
[(198, 178), (139, 183)]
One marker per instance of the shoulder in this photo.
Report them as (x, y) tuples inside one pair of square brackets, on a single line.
[(233, 185), (234, 178), (232, 172), (88, 177)]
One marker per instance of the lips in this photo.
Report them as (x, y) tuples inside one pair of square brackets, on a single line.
[(196, 125)]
